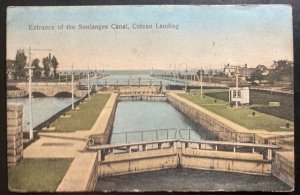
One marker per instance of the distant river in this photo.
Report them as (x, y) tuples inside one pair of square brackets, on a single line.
[(42, 108)]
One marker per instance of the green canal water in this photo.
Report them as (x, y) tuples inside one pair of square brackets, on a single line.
[(137, 116)]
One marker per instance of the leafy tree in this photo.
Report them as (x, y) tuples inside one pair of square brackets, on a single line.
[(19, 70), (220, 74), (199, 72), (281, 70), (54, 64), (9, 67), (37, 70), (257, 74), (46, 63)]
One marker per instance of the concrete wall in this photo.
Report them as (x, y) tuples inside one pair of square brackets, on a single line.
[(15, 93), (81, 175), (179, 156), (154, 98), (116, 164), (283, 168), (137, 90), (225, 161), (104, 123), (211, 121), (14, 133)]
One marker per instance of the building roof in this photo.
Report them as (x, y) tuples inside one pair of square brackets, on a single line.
[(246, 71), (242, 83)]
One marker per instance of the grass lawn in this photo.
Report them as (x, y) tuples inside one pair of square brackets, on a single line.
[(37, 174), (85, 117), (242, 115), (260, 101)]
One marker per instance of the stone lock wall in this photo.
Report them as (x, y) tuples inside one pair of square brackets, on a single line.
[(14, 133), (224, 131), (284, 169)]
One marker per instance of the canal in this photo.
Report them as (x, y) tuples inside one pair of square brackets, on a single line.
[(138, 117), (149, 121), (42, 108)]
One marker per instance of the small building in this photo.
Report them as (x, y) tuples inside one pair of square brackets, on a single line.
[(243, 92), (229, 70)]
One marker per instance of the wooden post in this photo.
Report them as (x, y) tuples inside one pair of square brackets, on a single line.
[(269, 154)]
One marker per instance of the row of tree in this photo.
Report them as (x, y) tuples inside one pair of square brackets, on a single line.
[(17, 67), (281, 70)]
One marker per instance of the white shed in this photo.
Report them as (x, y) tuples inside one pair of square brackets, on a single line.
[(243, 92)]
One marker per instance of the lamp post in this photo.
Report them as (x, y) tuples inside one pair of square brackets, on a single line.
[(201, 84), (96, 79), (30, 96), (236, 86), (29, 89), (185, 76), (72, 88), (89, 95)]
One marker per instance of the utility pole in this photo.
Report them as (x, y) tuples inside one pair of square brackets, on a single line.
[(201, 82), (72, 87), (89, 95), (30, 97), (29, 89), (96, 79), (237, 85), (174, 74), (185, 85)]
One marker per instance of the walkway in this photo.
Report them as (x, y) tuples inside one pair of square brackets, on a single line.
[(72, 145)]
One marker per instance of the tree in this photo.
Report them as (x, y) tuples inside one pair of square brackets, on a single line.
[(46, 63), (37, 70), (220, 74), (54, 64), (257, 74), (9, 68), (281, 70), (199, 72), (19, 70)]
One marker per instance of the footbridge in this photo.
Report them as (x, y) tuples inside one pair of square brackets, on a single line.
[(203, 154)]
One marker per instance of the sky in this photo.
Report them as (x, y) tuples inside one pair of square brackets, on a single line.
[(207, 36)]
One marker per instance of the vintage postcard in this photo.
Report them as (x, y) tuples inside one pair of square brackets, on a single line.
[(150, 98)]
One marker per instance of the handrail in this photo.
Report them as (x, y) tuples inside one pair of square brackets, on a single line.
[(249, 145)]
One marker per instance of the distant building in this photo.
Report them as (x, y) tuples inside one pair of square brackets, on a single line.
[(241, 95), (246, 72), (229, 70)]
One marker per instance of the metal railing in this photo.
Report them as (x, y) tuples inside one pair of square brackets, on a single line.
[(153, 135)]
